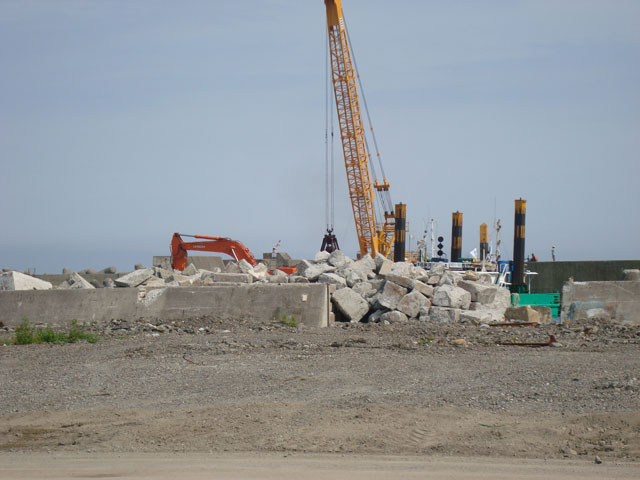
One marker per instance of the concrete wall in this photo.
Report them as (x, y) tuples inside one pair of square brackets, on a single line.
[(552, 275), (263, 303), (619, 301)]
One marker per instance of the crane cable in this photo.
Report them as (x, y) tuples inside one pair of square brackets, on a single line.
[(385, 196), (329, 187)]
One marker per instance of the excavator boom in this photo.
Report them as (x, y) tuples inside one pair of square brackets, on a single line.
[(232, 248)]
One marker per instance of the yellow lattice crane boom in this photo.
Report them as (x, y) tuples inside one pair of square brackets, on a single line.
[(372, 238)]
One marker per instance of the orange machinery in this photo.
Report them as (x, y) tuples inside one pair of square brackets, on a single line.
[(232, 248)]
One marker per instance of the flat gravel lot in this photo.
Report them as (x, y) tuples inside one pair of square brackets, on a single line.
[(207, 386)]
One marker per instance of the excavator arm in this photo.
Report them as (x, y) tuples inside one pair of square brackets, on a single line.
[(232, 248)]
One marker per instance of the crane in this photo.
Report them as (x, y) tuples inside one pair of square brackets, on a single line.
[(373, 237)]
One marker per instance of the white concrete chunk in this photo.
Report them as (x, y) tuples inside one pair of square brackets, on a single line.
[(19, 281), (134, 278), (452, 297), (350, 304), (411, 303), (75, 282), (391, 294)]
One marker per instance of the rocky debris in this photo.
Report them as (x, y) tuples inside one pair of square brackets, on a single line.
[(138, 266), (75, 282), (108, 283), (13, 280), (66, 271), (109, 270)]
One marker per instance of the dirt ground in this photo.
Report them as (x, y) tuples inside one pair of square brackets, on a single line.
[(231, 388)]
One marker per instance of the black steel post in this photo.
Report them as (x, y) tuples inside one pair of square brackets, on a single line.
[(399, 240), (517, 275), (484, 241), (456, 237)]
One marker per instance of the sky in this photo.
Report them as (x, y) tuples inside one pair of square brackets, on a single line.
[(122, 122)]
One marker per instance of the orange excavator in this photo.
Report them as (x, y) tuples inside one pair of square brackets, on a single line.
[(232, 248)]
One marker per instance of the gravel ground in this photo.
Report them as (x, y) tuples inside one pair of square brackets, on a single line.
[(205, 385)]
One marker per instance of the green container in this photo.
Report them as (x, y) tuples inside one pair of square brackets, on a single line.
[(551, 300)]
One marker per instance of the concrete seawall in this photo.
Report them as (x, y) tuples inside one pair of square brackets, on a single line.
[(309, 303)]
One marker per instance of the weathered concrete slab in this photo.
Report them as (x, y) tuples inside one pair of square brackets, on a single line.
[(74, 282), (352, 305), (620, 299), (263, 303), (134, 278), (19, 281)]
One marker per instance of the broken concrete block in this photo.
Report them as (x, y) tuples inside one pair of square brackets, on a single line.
[(444, 315), (75, 282), (260, 272), (391, 294), (154, 282), (314, 271), (546, 315), (338, 259), (452, 297), (365, 289), (632, 275), (108, 283), (138, 266), (350, 304), (411, 303), (245, 266), (277, 278), (13, 280), (490, 295), (232, 267), (433, 280), (394, 316), (332, 279), (190, 270), (134, 278), (232, 277), (385, 268), (162, 273), (423, 288), (321, 256), (109, 270), (475, 317), (65, 271), (523, 313), (404, 269), (402, 280), (366, 264), (437, 268), (379, 259), (353, 275), (302, 267), (449, 278)]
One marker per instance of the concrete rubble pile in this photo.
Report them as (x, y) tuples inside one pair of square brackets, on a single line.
[(379, 290), (365, 290)]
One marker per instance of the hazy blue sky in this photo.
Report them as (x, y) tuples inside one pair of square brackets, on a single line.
[(124, 121)]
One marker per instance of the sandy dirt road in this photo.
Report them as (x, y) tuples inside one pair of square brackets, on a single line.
[(234, 466)]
